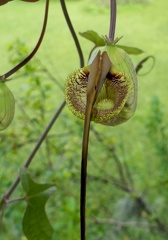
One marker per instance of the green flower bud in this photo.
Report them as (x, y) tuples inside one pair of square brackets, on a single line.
[(116, 86), (7, 106)]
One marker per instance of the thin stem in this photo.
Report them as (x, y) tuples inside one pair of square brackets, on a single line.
[(66, 15), (37, 146), (15, 200), (122, 224), (98, 71), (31, 55), (85, 143), (86, 131), (113, 10)]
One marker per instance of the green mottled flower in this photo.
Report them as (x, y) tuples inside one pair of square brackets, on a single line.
[(111, 78)]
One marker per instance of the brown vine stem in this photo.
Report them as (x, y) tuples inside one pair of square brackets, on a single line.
[(31, 55), (98, 72), (37, 146), (113, 10), (91, 98), (84, 173), (16, 68), (66, 15)]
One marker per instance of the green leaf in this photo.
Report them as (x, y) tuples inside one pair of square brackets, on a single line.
[(130, 50), (93, 37), (35, 222), (99, 41)]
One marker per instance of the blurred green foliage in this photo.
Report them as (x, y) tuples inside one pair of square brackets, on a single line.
[(127, 169), (111, 190)]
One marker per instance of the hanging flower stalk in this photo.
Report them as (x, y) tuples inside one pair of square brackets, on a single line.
[(104, 91), (110, 78)]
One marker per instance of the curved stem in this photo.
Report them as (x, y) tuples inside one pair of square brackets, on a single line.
[(86, 136), (140, 64), (113, 10), (64, 9), (84, 174), (31, 55), (37, 146)]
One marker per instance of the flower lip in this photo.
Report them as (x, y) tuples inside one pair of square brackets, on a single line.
[(111, 99), (109, 102)]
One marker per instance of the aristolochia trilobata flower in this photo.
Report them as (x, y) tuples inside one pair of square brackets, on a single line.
[(7, 106), (110, 76)]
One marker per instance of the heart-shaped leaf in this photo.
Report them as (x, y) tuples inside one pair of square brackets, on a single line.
[(35, 222)]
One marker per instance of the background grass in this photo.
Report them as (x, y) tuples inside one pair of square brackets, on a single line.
[(143, 26)]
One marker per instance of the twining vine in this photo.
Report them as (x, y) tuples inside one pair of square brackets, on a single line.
[(97, 83)]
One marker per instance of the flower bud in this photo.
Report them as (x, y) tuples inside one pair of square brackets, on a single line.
[(7, 106)]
